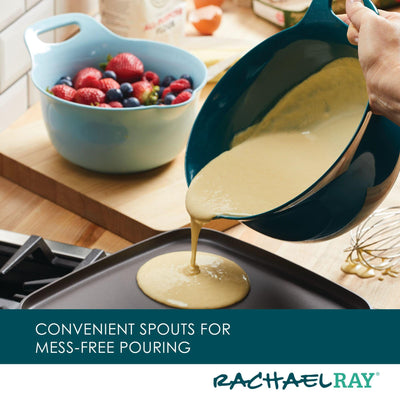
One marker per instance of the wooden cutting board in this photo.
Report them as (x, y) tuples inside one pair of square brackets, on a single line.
[(134, 206)]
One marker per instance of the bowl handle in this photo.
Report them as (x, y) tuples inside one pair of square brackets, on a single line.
[(321, 10), (88, 26)]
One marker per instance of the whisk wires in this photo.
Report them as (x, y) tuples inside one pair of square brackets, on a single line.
[(376, 242)]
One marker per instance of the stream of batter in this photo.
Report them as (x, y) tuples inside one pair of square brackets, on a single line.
[(268, 165)]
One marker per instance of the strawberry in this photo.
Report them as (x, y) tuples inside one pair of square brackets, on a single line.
[(90, 81), (104, 105), (127, 67), (165, 92), (115, 104), (152, 77), (89, 96), (64, 92), (180, 85), (182, 97), (87, 77), (106, 84), (144, 92)]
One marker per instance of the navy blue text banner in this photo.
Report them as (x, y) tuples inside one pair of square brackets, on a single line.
[(199, 336)]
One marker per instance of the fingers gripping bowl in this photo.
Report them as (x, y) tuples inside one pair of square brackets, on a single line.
[(111, 140)]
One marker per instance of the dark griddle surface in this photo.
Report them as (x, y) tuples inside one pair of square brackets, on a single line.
[(276, 283)]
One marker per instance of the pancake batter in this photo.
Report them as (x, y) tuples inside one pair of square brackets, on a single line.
[(269, 164), (215, 282)]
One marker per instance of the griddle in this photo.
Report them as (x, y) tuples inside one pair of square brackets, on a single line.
[(276, 283)]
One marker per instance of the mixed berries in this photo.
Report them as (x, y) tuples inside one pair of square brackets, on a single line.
[(123, 83)]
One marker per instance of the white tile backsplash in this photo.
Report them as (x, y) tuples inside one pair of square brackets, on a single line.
[(13, 102), (30, 3), (10, 11), (17, 91), (14, 57)]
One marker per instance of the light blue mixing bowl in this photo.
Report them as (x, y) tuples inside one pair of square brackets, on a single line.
[(111, 140)]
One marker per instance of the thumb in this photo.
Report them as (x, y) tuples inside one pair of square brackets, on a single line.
[(357, 12), (352, 34)]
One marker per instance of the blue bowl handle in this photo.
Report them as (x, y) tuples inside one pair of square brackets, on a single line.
[(321, 11), (88, 26)]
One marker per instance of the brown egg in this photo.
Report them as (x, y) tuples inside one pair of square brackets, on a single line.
[(206, 19), (204, 3)]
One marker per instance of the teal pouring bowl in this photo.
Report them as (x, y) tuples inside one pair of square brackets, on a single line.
[(360, 178), (111, 140)]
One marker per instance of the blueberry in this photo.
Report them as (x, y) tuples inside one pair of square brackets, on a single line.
[(167, 80), (67, 77), (169, 98), (110, 74), (64, 81), (188, 78), (126, 89), (188, 90), (114, 95), (160, 91), (131, 102)]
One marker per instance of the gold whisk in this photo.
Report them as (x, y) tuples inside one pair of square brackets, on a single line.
[(375, 244)]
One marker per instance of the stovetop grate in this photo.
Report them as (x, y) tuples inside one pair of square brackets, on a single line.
[(28, 263)]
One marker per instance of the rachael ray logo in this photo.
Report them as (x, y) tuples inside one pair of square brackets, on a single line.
[(277, 381)]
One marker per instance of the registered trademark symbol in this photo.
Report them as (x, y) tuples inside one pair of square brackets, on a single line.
[(377, 374)]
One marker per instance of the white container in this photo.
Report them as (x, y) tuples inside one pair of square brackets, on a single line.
[(160, 20)]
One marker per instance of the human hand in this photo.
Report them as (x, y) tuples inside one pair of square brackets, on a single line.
[(378, 40)]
